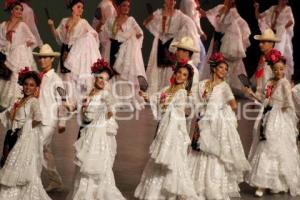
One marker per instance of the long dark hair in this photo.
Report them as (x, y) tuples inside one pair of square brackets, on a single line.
[(9, 5)]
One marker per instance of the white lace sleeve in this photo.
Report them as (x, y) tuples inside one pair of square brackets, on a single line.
[(228, 95), (61, 31), (154, 26), (179, 104), (35, 110), (287, 95), (122, 36)]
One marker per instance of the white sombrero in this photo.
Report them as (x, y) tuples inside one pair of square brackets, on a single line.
[(267, 35), (46, 50), (186, 43)]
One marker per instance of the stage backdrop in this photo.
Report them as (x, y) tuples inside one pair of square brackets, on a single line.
[(58, 10)]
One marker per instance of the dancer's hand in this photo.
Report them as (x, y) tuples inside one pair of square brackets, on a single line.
[(50, 22)]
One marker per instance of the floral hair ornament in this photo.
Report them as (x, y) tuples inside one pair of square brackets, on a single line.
[(100, 66), (216, 58), (274, 57), (23, 73), (8, 4)]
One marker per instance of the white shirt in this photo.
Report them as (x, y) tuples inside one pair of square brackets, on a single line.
[(50, 100)]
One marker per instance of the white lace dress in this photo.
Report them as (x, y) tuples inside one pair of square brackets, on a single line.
[(95, 152), (166, 175), (220, 165), (275, 161), (20, 176), (129, 60), (30, 19), (285, 46), (177, 26), (18, 56), (296, 98), (107, 10), (236, 29), (84, 43)]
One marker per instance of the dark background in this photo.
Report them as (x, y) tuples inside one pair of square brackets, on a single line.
[(58, 10)]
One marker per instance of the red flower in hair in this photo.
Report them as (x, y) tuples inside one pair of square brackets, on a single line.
[(216, 58), (8, 3), (274, 56), (22, 73), (100, 64)]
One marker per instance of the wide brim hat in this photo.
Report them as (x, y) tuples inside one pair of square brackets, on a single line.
[(46, 50), (267, 35), (185, 43)]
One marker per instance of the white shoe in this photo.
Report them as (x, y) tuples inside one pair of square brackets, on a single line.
[(259, 193)]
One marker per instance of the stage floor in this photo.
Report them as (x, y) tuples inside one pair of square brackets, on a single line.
[(134, 137)]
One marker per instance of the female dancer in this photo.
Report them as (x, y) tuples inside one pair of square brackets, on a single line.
[(219, 162), (105, 10), (226, 19), (280, 19), (166, 175), (95, 150), (167, 25), (16, 44), (30, 19), (125, 54), (274, 156), (80, 49), (20, 177)]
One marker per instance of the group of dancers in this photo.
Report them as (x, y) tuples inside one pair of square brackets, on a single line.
[(101, 70)]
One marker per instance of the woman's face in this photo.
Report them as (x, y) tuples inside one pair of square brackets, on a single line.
[(17, 11), (124, 8), (221, 70), (29, 87), (278, 70), (181, 75), (77, 9), (169, 4), (101, 80)]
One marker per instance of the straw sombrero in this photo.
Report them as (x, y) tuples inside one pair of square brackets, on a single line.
[(186, 43), (46, 50), (267, 35)]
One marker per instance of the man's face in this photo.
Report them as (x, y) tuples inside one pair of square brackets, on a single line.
[(182, 54), (46, 62), (266, 46)]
